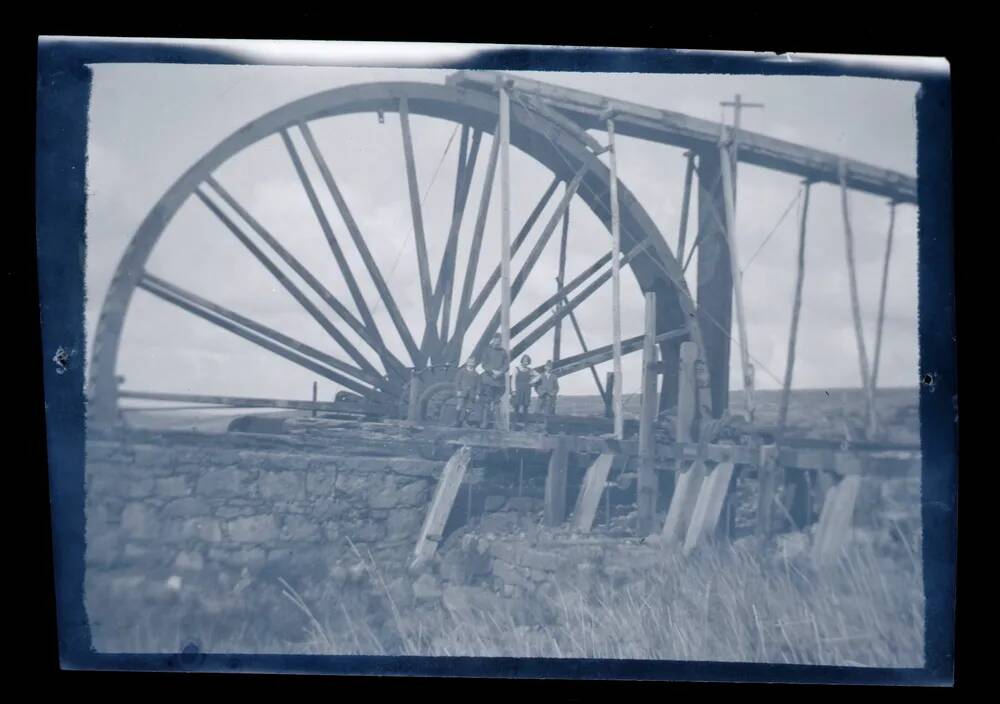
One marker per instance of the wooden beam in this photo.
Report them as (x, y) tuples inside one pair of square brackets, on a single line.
[(440, 508), (689, 477), (800, 275), (238, 401), (503, 412), (859, 335), (708, 506), (590, 494), (616, 315), (648, 481), (555, 484), (593, 369), (587, 110), (728, 192)]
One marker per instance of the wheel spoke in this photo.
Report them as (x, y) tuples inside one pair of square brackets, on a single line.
[(583, 346), (416, 211), (352, 228), (469, 313), (474, 250), (567, 307), (260, 335), (331, 238), (536, 252), (569, 365), (393, 365), (446, 277), (289, 286), (547, 305)]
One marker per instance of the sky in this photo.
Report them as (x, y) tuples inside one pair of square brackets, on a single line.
[(150, 122)]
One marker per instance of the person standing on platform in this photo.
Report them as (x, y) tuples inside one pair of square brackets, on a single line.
[(524, 377), (467, 389), (496, 363), (547, 386)]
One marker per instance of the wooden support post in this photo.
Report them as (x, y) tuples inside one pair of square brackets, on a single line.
[(708, 506), (440, 508), (688, 480), (557, 332), (555, 484), (737, 276), (769, 477), (800, 275), (413, 407), (616, 316), (503, 412), (315, 396), (837, 517), (855, 303), (873, 424), (609, 384), (715, 282), (648, 482), (590, 494)]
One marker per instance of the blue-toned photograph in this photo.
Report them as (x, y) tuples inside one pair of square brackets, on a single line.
[(363, 350)]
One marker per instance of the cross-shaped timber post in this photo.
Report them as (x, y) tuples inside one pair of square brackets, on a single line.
[(737, 105)]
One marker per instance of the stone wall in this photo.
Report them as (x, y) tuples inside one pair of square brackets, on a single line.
[(172, 522)]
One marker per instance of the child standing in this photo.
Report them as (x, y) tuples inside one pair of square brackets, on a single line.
[(524, 377)]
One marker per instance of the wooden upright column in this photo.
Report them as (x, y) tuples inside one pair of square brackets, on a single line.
[(715, 281), (648, 484), (616, 318), (503, 412)]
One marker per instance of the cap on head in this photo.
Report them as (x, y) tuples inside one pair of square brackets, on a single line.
[(525, 360)]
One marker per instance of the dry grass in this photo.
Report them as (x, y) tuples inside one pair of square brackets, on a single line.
[(723, 604)]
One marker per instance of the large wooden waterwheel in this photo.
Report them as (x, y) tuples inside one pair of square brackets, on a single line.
[(360, 358)]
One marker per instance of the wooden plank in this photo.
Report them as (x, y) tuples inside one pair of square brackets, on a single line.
[(440, 508), (836, 520), (800, 275), (728, 195), (668, 127), (616, 315), (686, 483), (708, 506), (859, 334), (503, 411), (555, 484), (589, 498), (647, 485)]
